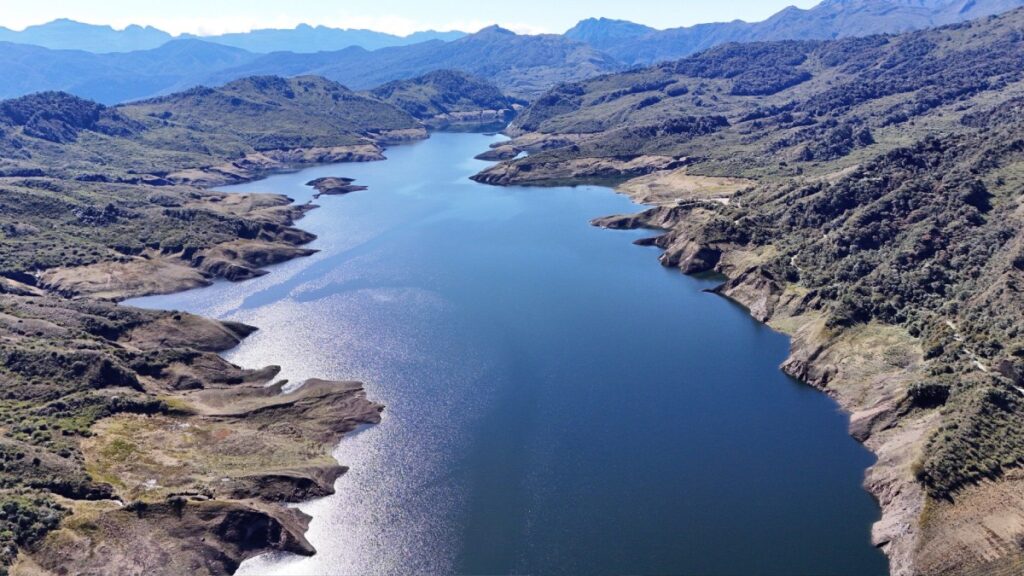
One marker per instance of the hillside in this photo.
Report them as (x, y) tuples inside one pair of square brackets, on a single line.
[(634, 44), (199, 127), (68, 164), (864, 196), (103, 203), (450, 99)]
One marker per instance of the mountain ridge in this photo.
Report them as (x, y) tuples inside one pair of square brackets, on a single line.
[(524, 66), (828, 20), (67, 34)]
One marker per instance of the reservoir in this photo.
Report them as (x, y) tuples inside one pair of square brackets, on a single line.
[(556, 401)]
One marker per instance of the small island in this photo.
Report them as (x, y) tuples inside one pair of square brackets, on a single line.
[(332, 186)]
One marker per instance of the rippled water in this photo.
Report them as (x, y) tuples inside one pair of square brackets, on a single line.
[(557, 402)]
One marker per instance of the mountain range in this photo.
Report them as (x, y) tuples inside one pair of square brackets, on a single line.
[(523, 66), (64, 34), (636, 44)]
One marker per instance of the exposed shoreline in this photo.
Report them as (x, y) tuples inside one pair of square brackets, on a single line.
[(221, 523), (298, 485), (867, 370), (813, 354)]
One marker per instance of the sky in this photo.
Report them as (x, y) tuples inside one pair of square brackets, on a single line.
[(393, 16)]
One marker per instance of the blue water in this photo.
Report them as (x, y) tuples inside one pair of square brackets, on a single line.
[(557, 402)]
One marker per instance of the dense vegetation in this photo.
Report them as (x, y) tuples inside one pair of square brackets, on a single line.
[(890, 171)]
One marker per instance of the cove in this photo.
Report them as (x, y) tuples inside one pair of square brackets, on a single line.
[(557, 402)]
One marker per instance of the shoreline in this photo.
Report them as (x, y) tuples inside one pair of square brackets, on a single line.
[(808, 362), (295, 527), (222, 526), (808, 358), (853, 367)]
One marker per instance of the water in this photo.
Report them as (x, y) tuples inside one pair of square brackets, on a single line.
[(557, 402)]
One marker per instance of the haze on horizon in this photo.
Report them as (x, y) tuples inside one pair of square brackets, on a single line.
[(402, 17)]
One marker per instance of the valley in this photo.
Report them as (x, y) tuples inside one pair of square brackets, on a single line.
[(219, 259)]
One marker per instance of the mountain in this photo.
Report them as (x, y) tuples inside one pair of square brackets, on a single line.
[(521, 65), (66, 34), (202, 135), (306, 39), (864, 196), (607, 34), (449, 99), (271, 113), (115, 77), (257, 122), (634, 44)]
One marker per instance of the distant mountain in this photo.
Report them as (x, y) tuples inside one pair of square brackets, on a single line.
[(448, 98), (521, 65), (635, 44), (305, 39), (66, 34), (604, 33), (116, 77)]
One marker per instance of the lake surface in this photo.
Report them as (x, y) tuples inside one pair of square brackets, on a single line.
[(557, 402)]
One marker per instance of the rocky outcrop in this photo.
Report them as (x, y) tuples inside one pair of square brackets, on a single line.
[(186, 536), (867, 369), (258, 164), (529, 171), (755, 288), (471, 120), (269, 238), (499, 153), (286, 485), (223, 450)]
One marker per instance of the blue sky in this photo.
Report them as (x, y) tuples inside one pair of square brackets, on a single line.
[(395, 16)]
